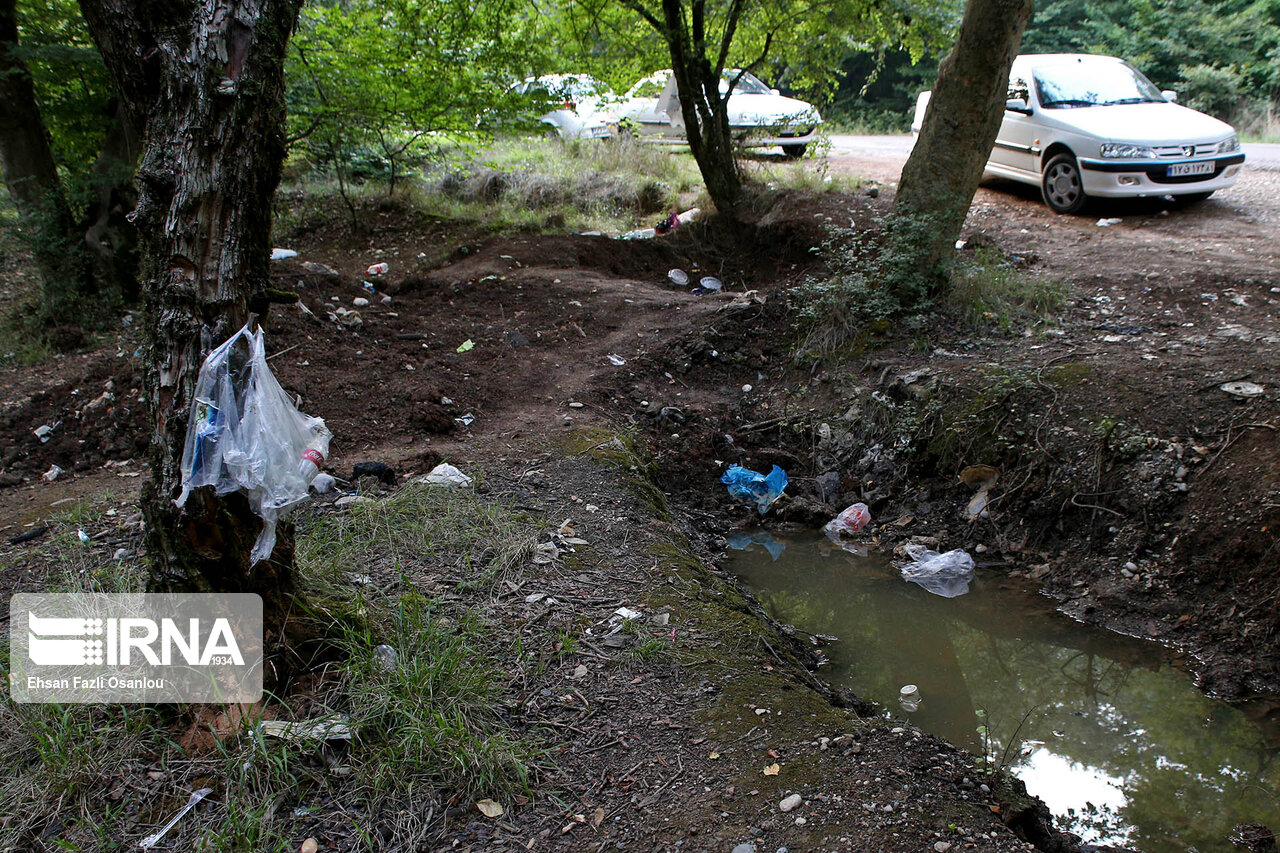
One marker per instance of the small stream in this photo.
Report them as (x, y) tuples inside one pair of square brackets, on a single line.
[(1108, 731)]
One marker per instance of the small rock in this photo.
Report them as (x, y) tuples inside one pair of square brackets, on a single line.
[(801, 821), (360, 302), (352, 500), (745, 848), (790, 802), (576, 405), (942, 846)]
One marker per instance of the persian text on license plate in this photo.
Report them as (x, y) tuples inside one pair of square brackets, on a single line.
[(1178, 170)]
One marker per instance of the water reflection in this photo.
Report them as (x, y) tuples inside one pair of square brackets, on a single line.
[(1116, 740)]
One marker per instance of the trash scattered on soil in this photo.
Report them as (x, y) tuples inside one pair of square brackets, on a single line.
[(85, 538), (710, 283), (680, 278), (42, 432), (850, 520), (384, 472), (947, 575), (1242, 389), (335, 727), (153, 839), (33, 533), (640, 234), (378, 269), (741, 541), (323, 483), (465, 420), (909, 698), (545, 553), (445, 474), (466, 346), (52, 474), (751, 487), (960, 244), (1107, 223), (283, 254), (360, 302), (617, 360), (385, 658)]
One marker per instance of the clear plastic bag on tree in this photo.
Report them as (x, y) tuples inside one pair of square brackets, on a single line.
[(947, 575), (245, 434)]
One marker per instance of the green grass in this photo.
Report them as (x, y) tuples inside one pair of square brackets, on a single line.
[(989, 292), (430, 728)]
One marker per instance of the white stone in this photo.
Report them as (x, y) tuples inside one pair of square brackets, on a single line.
[(790, 802)]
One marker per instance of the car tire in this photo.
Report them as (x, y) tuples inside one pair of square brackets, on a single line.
[(794, 152), (1061, 185)]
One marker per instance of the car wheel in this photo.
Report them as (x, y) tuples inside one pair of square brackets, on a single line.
[(794, 152), (1061, 186)]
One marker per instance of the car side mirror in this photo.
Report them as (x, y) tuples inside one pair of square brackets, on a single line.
[(1017, 105), (1169, 95)]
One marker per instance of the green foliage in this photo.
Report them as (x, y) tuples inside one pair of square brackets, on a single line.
[(1221, 54), (373, 82), (988, 291), (72, 85)]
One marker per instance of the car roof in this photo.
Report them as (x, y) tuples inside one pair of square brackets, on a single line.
[(1030, 60)]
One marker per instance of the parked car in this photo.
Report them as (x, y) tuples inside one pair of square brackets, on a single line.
[(759, 117), (1083, 126), (581, 110)]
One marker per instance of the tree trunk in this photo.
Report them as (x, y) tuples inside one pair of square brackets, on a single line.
[(204, 79), (946, 165), (704, 110), (112, 241), (26, 159)]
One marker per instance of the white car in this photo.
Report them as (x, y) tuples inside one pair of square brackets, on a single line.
[(758, 116), (1082, 126), (582, 112)]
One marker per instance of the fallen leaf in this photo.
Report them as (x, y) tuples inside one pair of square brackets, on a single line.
[(714, 756), (489, 808), (773, 770), (773, 753), (597, 818)]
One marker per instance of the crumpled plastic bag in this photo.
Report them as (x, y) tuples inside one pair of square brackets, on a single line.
[(445, 474), (754, 488), (947, 575), (850, 520), (244, 433)]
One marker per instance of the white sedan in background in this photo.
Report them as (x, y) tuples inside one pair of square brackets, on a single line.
[(581, 100), (759, 117), (1082, 126)]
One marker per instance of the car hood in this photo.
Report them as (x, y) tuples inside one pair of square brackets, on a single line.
[(747, 109), (1165, 123)]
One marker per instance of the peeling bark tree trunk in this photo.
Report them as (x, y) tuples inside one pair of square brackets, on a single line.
[(946, 164), (30, 173), (204, 79)]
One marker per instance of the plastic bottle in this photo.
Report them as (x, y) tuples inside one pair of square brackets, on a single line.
[(313, 457), (378, 269)]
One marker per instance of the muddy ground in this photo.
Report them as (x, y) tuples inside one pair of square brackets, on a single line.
[(1130, 486)]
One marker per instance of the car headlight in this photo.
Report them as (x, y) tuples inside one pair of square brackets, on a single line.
[(1125, 151), (1229, 145)]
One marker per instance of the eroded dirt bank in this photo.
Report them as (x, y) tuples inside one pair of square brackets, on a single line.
[(1130, 486)]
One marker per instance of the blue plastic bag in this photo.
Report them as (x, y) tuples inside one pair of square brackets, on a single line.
[(753, 488)]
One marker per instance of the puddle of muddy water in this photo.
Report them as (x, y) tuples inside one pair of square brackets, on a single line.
[(1116, 738)]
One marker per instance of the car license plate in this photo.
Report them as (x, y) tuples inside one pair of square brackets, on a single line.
[(1178, 170)]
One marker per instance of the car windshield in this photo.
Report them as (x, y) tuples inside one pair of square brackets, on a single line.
[(1080, 84), (749, 84)]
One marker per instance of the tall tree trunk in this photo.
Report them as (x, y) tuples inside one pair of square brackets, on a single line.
[(204, 79), (30, 173), (704, 110), (111, 240), (946, 165)]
